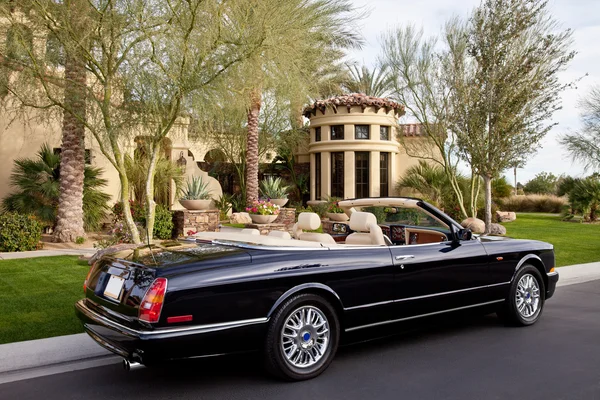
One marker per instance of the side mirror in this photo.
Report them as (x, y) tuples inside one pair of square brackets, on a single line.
[(461, 234), (464, 234)]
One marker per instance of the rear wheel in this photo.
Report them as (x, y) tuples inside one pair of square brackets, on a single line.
[(525, 300), (302, 338)]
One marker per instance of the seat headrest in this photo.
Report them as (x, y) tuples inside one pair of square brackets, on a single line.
[(280, 234), (308, 221), (249, 231), (360, 221)]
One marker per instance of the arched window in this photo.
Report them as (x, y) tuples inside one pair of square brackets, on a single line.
[(55, 52), (19, 43)]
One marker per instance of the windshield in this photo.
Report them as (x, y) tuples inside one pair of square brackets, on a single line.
[(403, 216)]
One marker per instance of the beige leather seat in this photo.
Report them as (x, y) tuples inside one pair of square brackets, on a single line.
[(280, 234), (367, 232), (310, 222), (248, 231)]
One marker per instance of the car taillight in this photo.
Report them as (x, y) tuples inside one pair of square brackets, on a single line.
[(153, 301), (87, 278)]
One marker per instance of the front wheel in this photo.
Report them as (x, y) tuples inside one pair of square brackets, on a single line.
[(302, 338), (525, 300)]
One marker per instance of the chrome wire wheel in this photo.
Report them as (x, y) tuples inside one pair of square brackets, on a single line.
[(527, 296), (305, 337)]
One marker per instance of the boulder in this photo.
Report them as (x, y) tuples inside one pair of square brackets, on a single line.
[(474, 224), (506, 216), (240, 218), (497, 229)]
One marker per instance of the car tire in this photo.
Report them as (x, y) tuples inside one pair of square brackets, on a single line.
[(302, 338), (526, 297)]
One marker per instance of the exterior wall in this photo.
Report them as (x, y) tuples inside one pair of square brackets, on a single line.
[(23, 139), (399, 161)]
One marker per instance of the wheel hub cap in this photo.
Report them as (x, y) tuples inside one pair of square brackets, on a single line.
[(305, 336), (527, 296)]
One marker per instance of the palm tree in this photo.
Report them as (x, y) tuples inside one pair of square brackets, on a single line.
[(430, 181), (296, 38), (585, 146), (375, 82), (37, 184), (70, 215)]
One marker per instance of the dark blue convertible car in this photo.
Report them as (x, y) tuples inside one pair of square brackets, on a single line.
[(294, 297)]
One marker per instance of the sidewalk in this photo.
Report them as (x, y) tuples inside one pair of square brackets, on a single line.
[(25, 360), (47, 253)]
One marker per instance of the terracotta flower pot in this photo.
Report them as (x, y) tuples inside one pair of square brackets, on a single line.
[(263, 219), (279, 202), (340, 217), (195, 204)]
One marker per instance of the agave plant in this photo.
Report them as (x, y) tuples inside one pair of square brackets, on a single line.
[(196, 189), (273, 188)]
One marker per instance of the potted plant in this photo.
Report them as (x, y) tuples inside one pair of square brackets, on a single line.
[(197, 195), (273, 189), (263, 211), (335, 212)]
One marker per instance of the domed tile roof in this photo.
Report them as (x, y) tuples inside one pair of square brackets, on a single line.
[(355, 99)]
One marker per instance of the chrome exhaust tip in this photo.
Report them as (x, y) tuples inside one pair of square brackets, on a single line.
[(130, 365)]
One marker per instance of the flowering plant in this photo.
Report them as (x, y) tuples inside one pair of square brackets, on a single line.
[(263, 207), (334, 206)]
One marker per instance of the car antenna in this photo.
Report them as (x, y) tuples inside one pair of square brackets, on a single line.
[(149, 246)]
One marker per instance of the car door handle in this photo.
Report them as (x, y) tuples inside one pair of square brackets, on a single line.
[(401, 258)]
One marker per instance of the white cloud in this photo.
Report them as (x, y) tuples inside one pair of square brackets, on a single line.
[(583, 16)]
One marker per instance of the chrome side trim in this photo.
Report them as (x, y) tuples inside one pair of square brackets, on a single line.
[(555, 273), (296, 289), (169, 331), (420, 316), (424, 296)]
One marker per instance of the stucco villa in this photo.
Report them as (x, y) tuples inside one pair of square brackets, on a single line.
[(353, 149)]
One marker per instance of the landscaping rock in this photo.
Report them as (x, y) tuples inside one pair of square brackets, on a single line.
[(497, 229), (240, 218), (474, 224), (506, 216)]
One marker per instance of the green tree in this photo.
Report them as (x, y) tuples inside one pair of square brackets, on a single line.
[(145, 61), (298, 37), (585, 196), (37, 190), (542, 183), (372, 82), (505, 85), (417, 71), (584, 146)]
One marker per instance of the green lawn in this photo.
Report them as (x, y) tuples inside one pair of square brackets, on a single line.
[(574, 243), (37, 296)]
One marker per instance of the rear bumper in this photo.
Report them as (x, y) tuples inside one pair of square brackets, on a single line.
[(171, 343), (552, 280)]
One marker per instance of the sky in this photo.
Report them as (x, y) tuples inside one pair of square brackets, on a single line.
[(582, 16)]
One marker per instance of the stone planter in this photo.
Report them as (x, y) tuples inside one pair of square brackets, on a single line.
[(279, 202), (263, 219), (340, 217), (196, 204)]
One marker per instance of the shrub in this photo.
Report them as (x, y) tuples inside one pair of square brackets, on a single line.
[(533, 203), (223, 204), (196, 189), (19, 232), (80, 240), (36, 190), (163, 223)]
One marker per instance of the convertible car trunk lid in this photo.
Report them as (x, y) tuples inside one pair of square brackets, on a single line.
[(119, 279)]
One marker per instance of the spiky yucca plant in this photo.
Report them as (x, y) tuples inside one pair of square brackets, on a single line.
[(273, 188)]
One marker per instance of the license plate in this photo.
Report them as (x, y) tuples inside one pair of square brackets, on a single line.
[(113, 287)]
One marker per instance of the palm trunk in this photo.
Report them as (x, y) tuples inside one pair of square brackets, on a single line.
[(488, 202), (69, 221), (252, 147)]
